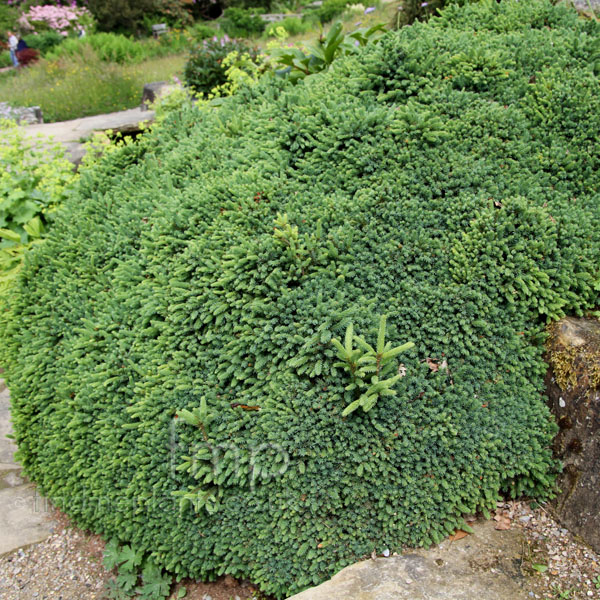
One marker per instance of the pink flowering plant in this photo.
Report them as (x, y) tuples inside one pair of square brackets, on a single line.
[(64, 20)]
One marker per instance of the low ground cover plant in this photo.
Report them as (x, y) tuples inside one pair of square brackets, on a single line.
[(170, 346)]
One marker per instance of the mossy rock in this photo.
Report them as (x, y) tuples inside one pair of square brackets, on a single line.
[(573, 383)]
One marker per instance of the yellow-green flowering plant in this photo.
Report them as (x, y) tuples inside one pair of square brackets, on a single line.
[(35, 179)]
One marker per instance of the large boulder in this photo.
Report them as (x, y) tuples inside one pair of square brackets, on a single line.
[(24, 115), (153, 91), (572, 387), (482, 566)]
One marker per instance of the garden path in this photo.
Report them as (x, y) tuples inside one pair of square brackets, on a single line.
[(24, 515), (74, 133)]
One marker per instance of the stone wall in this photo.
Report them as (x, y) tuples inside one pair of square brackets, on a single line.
[(30, 115)]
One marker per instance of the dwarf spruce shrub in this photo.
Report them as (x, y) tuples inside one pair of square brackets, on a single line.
[(169, 351)]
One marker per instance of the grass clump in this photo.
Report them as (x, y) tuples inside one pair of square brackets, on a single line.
[(169, 346)]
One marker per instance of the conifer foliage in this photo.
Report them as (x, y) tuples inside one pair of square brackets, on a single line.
[(170, 351)]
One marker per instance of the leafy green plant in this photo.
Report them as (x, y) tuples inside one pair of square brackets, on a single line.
[(35, 180), (13, 248), (44, 41), (373, 371), (410, 11), (218, 257), (174, 99), (135, 575), (329, 10), (241, 69), (296, 62), (539, 568), (5, 59), (561, 594), (242, 22), (108, 47), (291, 25), (201, 31), (8, 17)]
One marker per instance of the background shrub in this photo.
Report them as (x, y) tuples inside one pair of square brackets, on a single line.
[(201, 31), (242, 22), (44, 41), (329, 10), (265, 5), (117, 48), (5, 59), (446, 179), (204, 69), (108, 47), (65, 20), (137, 16), (126, 16), (292, 25), (8, 18)]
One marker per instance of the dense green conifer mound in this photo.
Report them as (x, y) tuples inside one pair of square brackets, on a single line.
[(447, 177)]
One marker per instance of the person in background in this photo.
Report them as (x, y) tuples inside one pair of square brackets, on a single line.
[(25, 54), (22, 45), (13, 42)]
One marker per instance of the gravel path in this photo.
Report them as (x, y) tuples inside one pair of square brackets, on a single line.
[(572, 568), (68, 565)]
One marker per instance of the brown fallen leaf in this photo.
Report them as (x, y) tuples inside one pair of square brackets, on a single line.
[(432, 364), (502, 521), (459, 535)]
